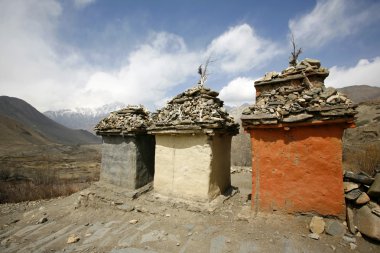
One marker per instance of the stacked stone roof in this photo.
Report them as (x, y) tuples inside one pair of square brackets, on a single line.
[(286, 102), (196, 110), (129, 120)]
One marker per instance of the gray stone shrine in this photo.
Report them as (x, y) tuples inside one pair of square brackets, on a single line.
[(127, 150)]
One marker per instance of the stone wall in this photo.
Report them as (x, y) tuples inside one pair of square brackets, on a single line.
[(128, 161), (192, 167)]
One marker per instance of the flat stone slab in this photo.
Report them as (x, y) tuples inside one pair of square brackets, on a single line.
[(132, 250)]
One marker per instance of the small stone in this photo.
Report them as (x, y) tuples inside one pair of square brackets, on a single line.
[(5, 242), (335, 228), (246, 111), (313, 62), (353, 195), (328, 92), (133, 221), (317, 225), (167, 215), (333, 247), (178, 244), (292, 97), (244, 214), (314, 236), (210, 102), (73, 239), (353, 246), (349, 239), (42, 220), (296, 118), (363, 199), (349, 186)]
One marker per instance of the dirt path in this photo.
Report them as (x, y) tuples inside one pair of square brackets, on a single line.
[(103, 223)]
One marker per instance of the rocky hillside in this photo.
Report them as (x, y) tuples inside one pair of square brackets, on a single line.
[(361, 93), (29, 118)]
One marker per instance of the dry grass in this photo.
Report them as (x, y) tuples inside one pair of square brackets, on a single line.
[(44, 185), (366, 159)]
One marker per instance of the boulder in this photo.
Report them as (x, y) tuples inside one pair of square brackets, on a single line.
[(368, 223), (374, 190)]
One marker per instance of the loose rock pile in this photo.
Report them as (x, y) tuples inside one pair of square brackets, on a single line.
[(132, 119), (362, 194), (197, 109), (305, 67), (289, 103)]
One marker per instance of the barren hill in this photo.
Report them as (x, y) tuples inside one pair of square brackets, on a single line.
[(361, 93), (14, 132), (30, 118)]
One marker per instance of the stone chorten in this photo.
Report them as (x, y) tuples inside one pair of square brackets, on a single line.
[(127, 150), (193, 145), (296, 128)]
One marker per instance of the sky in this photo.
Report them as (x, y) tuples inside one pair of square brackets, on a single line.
[(87, 53)]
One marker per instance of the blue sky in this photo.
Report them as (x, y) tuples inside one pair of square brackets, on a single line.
[(87, 53)]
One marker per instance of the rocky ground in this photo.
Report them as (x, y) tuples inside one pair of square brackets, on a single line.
[(110, 219)]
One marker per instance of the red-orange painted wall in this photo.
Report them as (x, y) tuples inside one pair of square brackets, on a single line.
[(299, 170)]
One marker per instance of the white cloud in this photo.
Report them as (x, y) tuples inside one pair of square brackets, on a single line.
[(49, 74), (240, 90), (241, 49), (365, 72), (151, 70), (331, 19), (82, 3), (30, 68)]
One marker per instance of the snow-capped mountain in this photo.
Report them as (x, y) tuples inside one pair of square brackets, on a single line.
[(83, 118)]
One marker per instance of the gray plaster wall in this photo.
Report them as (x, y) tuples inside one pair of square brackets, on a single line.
[(128, 161)]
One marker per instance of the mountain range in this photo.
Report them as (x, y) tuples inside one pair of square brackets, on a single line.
[(83, 118), (21, 123), (87, 118)]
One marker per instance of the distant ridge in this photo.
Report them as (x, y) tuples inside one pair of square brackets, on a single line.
[(83, 118), (30, 118), (361, 93)]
